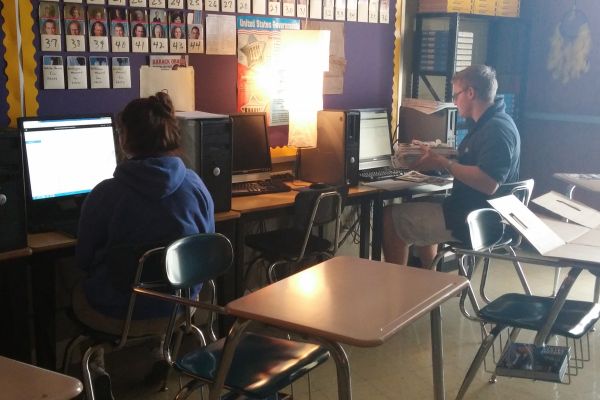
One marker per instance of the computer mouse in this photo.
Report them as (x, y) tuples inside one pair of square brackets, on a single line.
[(318, 185)]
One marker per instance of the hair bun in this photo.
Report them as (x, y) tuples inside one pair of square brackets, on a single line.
[(164, 103)]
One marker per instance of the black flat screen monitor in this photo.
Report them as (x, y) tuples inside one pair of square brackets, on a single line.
[(375, 139), (251, 153), (65, 158)]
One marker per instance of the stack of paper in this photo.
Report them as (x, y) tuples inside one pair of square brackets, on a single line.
[(462, 6), (464, 50)]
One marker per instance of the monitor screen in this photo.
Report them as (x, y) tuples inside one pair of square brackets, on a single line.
[(67, 156), (375, 139), (251, 153)]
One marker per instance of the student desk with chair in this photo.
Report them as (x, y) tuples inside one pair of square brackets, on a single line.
[(349, 300)]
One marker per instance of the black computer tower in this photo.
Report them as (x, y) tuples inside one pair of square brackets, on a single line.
[(206, 143), (335, 159), (13, 225)]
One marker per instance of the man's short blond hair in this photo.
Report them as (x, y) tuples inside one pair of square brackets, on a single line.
[(481, 78)]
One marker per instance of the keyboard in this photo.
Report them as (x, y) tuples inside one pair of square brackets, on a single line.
[(258, 187), (379, 174)]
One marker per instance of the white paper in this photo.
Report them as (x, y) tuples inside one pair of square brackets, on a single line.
[(139, 45), (117, 3), (157, 4), (69, 1), (243, 6), (328, 9), (159, 45), (54, 73), (194, 5), (570, 209), (178, 83), (220, 34), (259, 7), (99, 77), (50, 43), (121, 73), (301, 9), (98, 44), (340, 10), (363, 10), (95, 1), (228, 6), (289, 8), (373, 11), (138, 3), (76, 72), (274, 7), (211, 5), (120, 44), (351, 10), (177, 46), (384, 11), (75, 43), (316, 9), (175, 4)]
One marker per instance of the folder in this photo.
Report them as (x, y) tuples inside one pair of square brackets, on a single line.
[(553, 238)]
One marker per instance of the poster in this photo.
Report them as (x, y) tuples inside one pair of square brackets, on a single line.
[(259, 80)]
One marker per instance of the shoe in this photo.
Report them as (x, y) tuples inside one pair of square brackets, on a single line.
[(103, 387)]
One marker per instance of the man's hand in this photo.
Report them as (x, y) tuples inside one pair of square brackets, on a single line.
[(429, 160)]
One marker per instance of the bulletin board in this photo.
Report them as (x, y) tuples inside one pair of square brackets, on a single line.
[(369, 49)]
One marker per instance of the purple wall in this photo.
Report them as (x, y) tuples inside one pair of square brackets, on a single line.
[(561, 122), (368, 82)]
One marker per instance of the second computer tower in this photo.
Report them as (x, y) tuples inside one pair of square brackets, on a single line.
[(207, 150), (13, 228), (335, 159)]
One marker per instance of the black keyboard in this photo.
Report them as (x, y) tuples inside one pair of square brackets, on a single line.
[(258, 187), (378, 174)]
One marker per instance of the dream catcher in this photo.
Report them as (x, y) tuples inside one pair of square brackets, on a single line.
[(570, 46)]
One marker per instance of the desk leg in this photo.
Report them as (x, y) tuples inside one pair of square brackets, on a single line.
[(342, 367), (377, 228), (365, 224), (437, 354)]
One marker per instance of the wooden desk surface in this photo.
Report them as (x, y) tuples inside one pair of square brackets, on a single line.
[(13, 254), (272, 201), (349, 300), (20, 381)]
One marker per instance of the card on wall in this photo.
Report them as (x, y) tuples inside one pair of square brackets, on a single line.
[(139, 3), (384, 11), (76, 72), (194, 5), (177, 34), (211, 5), (101, 2), (351, 10), (157, 4), (373, 11), (49, 27), (117, 3), (289, 8), (53, 72), (243, 6), (363, 11), (196, 32), (228, 6), (316, 9), (259, 7), (121, 73), (328, 9), (119, 30), (302, 9), (138, 20), (71, 1), (274, 7), (175, 4), (98, 22), (340, 10), (99, 78), (159, 42), (74, 27)]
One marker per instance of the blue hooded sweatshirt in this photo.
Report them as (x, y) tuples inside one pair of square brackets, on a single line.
[(149, 200)]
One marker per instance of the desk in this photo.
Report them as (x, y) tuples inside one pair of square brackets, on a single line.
[(353, 301), (19, 381), (590, 182)]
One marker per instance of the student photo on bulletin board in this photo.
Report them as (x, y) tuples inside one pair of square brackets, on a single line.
[(177, 32), (97, 14), (195, 32), (139, 31), (53, 60), (74, 12), (119, 29), (49, 27), (158, 31), (48, 10), (97, 29), (138, 16), (74, 28), (117, 14), (158, 16)]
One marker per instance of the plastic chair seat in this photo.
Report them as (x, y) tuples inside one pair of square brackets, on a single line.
[(286, 243), (261, 366), (529, 312)]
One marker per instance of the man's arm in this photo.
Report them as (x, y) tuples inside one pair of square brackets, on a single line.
[(470, 175)]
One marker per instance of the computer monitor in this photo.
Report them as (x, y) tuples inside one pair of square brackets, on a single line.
[(251, 153), (64, 157), (375, 139)]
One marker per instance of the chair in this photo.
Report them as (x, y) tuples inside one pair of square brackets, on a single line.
[(506, 244), (261, 365), (521, 311), (145, 264), (313, 209)]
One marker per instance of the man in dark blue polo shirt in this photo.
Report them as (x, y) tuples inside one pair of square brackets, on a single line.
[(487, 158)]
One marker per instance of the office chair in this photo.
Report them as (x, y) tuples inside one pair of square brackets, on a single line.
[(145, 263), (313, 209), (516, 310), (261, 365), (510, 240)]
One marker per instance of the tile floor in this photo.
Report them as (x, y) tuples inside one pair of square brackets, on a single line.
[(401, 368)]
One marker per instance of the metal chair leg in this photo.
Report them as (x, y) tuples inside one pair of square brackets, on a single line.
[(68, 357), (478, 360)]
